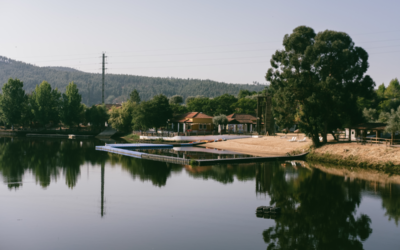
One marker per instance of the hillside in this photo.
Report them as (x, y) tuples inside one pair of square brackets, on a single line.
[(117, 87)]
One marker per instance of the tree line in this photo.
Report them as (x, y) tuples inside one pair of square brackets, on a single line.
[(45, 106), (48, 107), (154, 113), (385, 107)]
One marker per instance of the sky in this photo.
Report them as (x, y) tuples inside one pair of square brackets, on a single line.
[(230, 41)]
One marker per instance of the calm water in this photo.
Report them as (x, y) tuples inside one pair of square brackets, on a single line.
[(195, 153), (62, 194)]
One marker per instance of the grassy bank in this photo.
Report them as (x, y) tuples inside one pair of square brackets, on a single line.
[(360, 156)]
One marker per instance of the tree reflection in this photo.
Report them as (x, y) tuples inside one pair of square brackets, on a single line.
[(154, 171), (319, 212), (45, 158)]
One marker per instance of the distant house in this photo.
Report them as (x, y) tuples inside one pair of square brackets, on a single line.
[(192, 122), (369, 129), (241, 123)]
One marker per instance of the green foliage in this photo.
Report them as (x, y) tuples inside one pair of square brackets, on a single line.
[(121, 118), (178, 109), (244, 92), (13, 101), (393, 90), (97, 116), (317, 80), (71, 108), (118, 86), (134, 96), (45, 104), (245, 106), (384, 116), (370, 115), (153, 113), (381, 91), (223, 104), (189, 99), (176, 99), (200, 104), (393, 123), (220, 120)]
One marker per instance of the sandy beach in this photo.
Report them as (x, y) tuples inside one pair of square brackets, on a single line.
[(265, 146)]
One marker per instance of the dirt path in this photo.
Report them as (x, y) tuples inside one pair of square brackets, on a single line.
[(265, 146)]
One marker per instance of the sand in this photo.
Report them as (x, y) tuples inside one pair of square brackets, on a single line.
[(265, 146), (274, 146)]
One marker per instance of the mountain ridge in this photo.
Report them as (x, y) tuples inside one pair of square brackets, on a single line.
[(117, 86)]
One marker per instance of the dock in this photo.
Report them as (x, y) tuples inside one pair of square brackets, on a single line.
[(128, 150)]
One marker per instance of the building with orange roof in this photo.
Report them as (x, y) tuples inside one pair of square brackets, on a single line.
[(192, 122)]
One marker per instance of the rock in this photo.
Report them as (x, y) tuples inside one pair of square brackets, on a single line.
[(260, 209), (267, 210)]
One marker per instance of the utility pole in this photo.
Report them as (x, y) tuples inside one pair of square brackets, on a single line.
[(103, 72)]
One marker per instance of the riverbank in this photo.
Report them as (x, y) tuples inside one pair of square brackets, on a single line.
[(353, 154), (351, 173), (369, 156)]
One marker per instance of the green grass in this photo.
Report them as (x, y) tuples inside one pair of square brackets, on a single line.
[(132, 138)]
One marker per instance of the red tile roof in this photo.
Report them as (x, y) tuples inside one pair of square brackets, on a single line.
[(189, 115), (241, 118)]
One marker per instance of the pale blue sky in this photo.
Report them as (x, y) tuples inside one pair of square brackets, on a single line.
[(229, 41)]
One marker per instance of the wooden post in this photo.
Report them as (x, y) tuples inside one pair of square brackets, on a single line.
[(392, 139)]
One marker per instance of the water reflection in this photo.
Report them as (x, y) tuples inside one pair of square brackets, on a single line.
[(319, 209), (319, 213), (46, 159)]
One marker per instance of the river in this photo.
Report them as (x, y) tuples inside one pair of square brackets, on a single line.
[(63, 194)]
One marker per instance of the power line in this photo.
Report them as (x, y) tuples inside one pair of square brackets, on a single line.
[(192, 65)]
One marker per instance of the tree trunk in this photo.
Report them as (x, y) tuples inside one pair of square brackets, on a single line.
[(334, 137), (325, 133), (315, 139)]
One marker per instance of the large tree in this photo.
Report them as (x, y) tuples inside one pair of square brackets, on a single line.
[(153, 113), (97, 116), (121, 118), (45, 103), (223, 104), (317, 79), (71, 108), (200, 104), (245, 105), (13, 101)]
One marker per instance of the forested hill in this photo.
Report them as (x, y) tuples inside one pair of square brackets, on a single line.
[(117, 87)]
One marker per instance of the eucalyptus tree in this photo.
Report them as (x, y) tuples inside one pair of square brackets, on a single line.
[(13, 101), (317, 79)]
